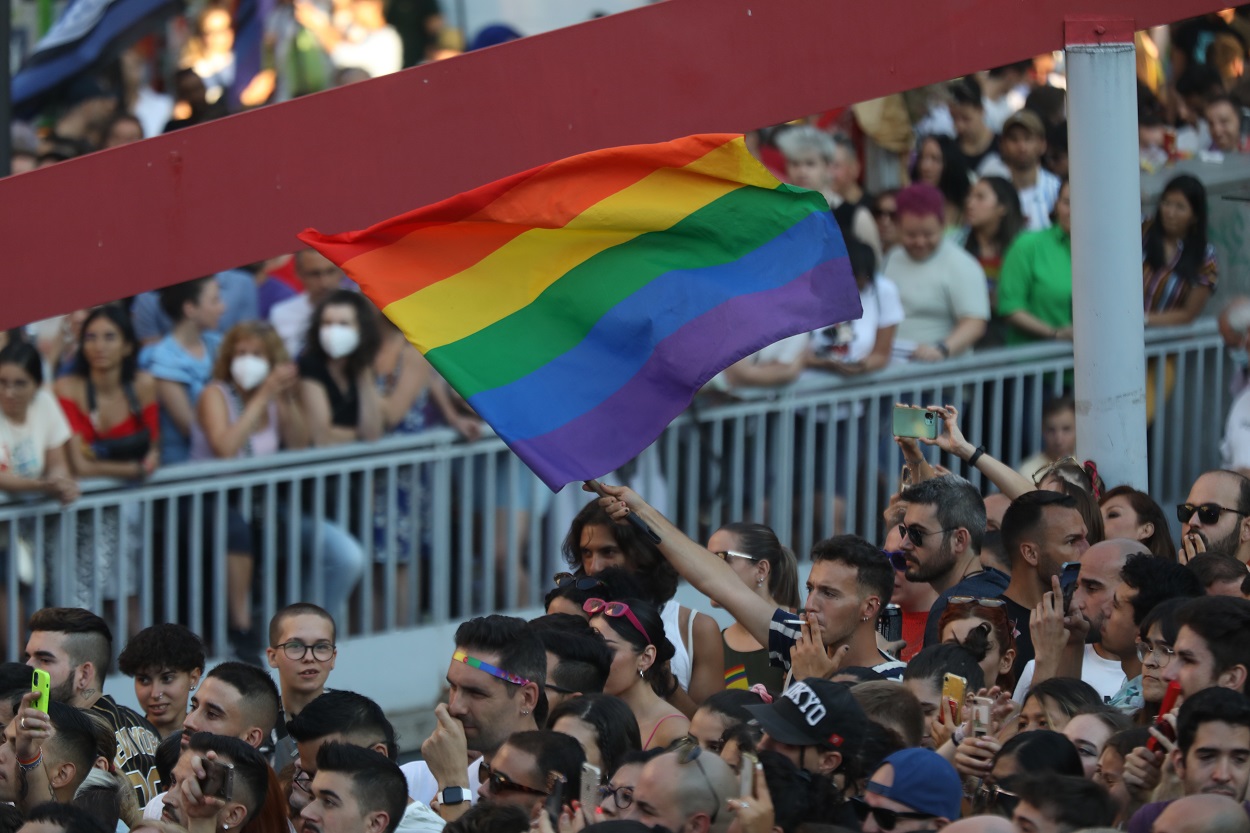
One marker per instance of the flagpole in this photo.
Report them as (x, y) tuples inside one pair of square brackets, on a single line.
[(6, 88)]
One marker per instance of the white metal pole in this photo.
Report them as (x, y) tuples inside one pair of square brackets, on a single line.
[(1105, 191)]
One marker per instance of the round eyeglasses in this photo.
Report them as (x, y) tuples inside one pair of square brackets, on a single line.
[(296, 650)]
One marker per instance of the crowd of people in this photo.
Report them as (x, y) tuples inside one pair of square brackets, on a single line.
[(1062, 660), (1062, 663)]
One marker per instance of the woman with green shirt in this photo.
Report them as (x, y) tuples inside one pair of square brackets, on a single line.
[(1035, 287)]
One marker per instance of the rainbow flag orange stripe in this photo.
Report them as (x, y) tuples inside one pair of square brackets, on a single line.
[(579, 306), (736, 677)]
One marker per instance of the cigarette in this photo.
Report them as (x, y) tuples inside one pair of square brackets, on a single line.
[(794, 622)]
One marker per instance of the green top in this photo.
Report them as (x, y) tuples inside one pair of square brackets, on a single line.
[(1037, 278)]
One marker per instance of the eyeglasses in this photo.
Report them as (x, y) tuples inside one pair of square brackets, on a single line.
[(898, 560), (885, 819), (579, 582), (688, 750), (474, 662), (725, 555), (559, 689), (992, 798), (296, 650), (917, 535), (622, 796), (973, 600), (1162, 652), (302, 780), (1208, 513), (497, 783), (616, 610)]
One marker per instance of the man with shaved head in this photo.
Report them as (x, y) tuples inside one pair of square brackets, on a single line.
[(1203, 814), (1106, 670), (1216, 516), (684, 790)]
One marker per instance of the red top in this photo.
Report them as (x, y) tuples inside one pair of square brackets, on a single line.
[(913, 633), (82, 425)]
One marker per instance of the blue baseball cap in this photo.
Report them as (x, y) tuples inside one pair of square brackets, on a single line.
[(924, 781)]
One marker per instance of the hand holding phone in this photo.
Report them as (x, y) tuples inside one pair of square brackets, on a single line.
[(592, 779), (746, 774), (218, 780), (41, 683), (554, 805), (954, 690), (916, 422), (1162, 724)]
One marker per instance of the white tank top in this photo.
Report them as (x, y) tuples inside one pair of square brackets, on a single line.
[(683, 658)]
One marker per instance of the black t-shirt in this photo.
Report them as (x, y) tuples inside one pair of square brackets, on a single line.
[(136, 746), (974, 161), (1019, 616), (344, 404)]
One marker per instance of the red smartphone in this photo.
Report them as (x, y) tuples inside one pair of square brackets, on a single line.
[(1164, 726)]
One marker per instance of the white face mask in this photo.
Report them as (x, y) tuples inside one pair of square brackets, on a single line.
[(249, 371), (338, 340)]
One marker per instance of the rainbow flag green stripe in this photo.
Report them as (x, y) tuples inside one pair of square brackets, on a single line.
[(579, 306)]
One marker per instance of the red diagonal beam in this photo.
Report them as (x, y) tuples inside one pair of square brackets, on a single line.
[(237, 190)]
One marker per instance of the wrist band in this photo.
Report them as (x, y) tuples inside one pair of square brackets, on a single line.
[(976, 455), (27, 766), (943, 349)]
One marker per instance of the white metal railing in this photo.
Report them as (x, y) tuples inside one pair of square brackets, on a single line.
[(483, 534)]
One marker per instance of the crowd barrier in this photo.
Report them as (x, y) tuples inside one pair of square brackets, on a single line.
[(445, 529)]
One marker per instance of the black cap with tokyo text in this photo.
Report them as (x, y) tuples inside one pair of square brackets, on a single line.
[(814, 712)]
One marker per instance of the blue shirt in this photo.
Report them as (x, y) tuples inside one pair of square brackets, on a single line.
[(169, 361), (238, 295), (987, 584), (271, 292)]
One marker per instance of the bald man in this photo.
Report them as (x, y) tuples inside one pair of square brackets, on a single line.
[(1101, 667), (689, 797), (1216, 516), (980, 824), (1203, 814)]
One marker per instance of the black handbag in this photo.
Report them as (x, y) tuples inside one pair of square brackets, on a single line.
[(130, 447)]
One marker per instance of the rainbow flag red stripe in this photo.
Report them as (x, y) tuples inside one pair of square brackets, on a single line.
[(579, 306), (736, 677)]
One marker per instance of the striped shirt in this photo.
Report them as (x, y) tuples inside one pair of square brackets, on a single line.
[(1165, 288), (1038, 200)]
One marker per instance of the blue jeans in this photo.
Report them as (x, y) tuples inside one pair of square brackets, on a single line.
[(342, 561)]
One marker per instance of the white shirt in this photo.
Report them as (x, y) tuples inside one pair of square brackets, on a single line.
[(290, 321), (23, 448), (1235, 450), (423, 786), (1038, 200), (936, 293), (379, 52), (1105, 675), (853, 341)]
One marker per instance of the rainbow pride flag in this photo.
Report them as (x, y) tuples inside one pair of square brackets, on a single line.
[(579, 306)]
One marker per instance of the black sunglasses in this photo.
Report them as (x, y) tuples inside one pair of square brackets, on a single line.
[(897, 560), (885, 819), (1208, 513), (580, 582), (688, 750), (917, 535), (498, 783)]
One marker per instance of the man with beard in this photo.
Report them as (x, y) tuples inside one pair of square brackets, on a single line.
[(1098, 665), (1041, 532), (942, 531), (495, 682), (1216, 516), (74, 646)]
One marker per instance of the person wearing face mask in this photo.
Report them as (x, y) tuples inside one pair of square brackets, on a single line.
[(252, 408), (338, 389)]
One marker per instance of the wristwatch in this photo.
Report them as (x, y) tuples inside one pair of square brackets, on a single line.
[(450, 796)]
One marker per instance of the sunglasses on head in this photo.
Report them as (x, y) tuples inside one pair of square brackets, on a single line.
[(498, 783), (725, 555), (916, 534), (579, 582), (616, 610), (688, 751), (973, 600), (995, 799), (1208, 513), (885, 819)]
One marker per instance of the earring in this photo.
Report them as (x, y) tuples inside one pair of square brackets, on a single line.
[(525, 712), (759, 583), (640, 674)]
